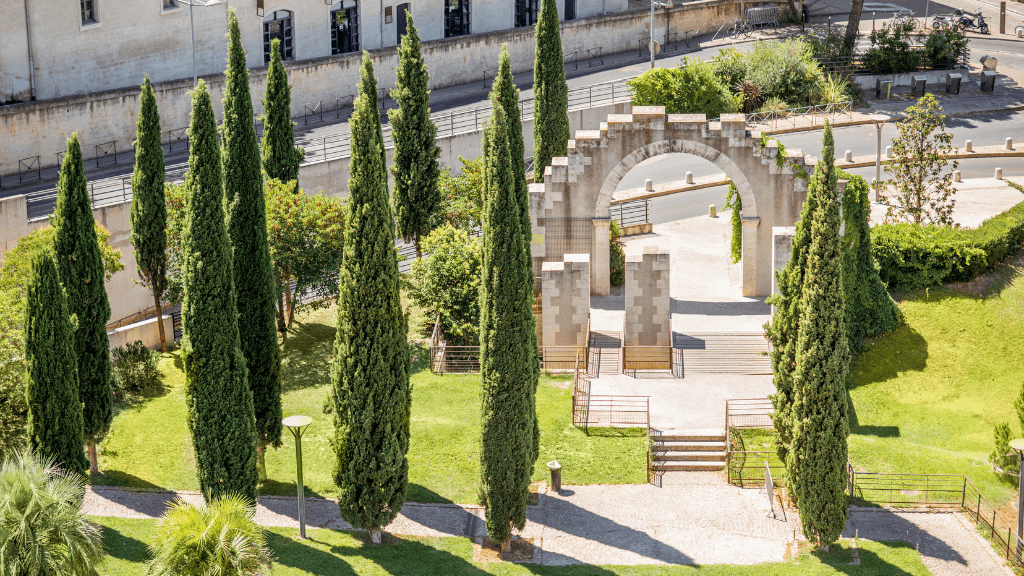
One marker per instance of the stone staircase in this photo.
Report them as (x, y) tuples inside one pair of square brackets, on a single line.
[(687, 450), (723, 352), (605, 349)]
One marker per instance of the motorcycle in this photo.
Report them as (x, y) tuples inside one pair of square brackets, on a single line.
[(967, 21)]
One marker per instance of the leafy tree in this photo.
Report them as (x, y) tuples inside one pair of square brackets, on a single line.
[(370, 373), (818, 452), (616, 255), (870, 310), (447, 284), (507, 394), (281, 158), (15, 272), (306, 234), (149, 212), (219, 537), (77, 253), (921, 189), (174, 200), (735, 203), (416, 194), (550, 93), (247, 228), (462, 198), (691, 88), (44, 531), (54, 407), (220, 405)]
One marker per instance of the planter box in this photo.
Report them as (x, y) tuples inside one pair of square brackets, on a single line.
[(935, 78)]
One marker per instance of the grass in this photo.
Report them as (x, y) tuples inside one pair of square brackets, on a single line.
[(925, 399), (347, 553), (748, 469), (149, 445)]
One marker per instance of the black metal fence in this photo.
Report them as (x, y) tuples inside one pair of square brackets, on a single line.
[(860, 63)]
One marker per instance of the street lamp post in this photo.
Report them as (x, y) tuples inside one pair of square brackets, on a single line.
[(297, 425), (192, 27), (1018, 447), (878, 120)]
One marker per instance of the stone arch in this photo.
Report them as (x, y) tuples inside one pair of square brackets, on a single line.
[(570, 211)]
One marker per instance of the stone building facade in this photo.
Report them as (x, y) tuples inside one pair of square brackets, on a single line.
[(58, 49)]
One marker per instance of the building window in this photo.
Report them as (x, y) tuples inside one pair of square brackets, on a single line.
[(570, 9), (344, 27), (526, 12), (278, 24), (170, 4), (456, 18), (88, 11)]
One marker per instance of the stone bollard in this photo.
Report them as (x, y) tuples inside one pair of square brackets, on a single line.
[(556, 476), (712, 211), (649, 185), (999, 173), (849, 155), (968, 146), (888, 151), (1009, 143), (689, 177), (956, 176)]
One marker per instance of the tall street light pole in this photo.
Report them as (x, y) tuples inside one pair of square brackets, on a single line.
[(297, 425), (878, 120), (192, 27), (1018, 447)]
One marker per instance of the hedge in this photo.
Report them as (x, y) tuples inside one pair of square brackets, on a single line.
[(912, 256)]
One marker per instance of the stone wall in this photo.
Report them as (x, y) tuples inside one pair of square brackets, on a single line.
[(146, 331), (648, 304), (566, 301)]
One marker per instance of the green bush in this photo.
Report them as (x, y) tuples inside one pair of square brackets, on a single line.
[(891, 51), (135, 368), (693, 87), (832, 47), (446, 283), (1002, 457), (942, 47), (617, 256), (784, 70)]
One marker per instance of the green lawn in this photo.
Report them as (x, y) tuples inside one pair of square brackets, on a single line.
[(149, 444), (346, 554), (926, 398)]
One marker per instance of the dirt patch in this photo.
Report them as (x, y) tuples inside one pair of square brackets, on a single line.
[(487, 550)]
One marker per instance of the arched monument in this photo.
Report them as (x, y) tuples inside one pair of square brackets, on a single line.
[(570, 210)]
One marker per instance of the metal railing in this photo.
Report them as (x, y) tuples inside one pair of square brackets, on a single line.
[(632, 212), (448, 359), (743, 466), (749, 413), (791, 117), (856, 63), (607, 411), (746, 467)]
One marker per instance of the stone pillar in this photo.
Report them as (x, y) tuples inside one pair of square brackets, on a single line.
[(565, 297), (782, 246), (13, 221), (648, 305), (600, 269), (748, 260)]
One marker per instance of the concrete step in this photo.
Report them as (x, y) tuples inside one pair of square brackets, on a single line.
[(688, 457), (688, 435), (687, 466), (689, 445)]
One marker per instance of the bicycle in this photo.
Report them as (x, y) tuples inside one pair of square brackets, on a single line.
[(741, 26), (900, 18)]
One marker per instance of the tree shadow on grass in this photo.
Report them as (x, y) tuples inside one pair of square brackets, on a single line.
[(306, 356), (271, 487), (902, 350), (422, 494), (867, 430), (870, 563), (122, 547), (114, 477)]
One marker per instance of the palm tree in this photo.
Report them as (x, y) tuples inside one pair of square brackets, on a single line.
[(219, 538), (42, 529)]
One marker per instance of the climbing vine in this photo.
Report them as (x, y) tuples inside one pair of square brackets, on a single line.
[(733, 200)]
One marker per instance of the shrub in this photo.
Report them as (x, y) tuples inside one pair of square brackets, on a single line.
[(446, 283), (617, 255), (783, 70), (832, 47), (135, 368), (943, 47), (729, 65), (832, 90), (1002, 457), (691, 88), (774, 104), (891, 51)]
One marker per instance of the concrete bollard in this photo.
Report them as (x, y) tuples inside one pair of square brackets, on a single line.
[(956, 175), (649, 185), (689, 177), (888, 151), (1009, 143), (968, 146), (849, 155), (556, 476), (999, 173), (712, 211)]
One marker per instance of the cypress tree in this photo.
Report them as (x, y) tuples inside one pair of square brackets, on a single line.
[(370, 372), (54, 411), (819, 413), (281, 158), (506, 93), (247, 227), (77, 253), (550, 93), (220, 412), (507, 419), (417, 197), (149, 212)]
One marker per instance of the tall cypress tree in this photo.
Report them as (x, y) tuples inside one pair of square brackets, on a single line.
[(506, 93), (77, 252), (247, 227), (54, 411), (507, 417), (149, 212), (820, 426), (220, 411), (281, 158), (550, 93), (416, 196), (370, 372)]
